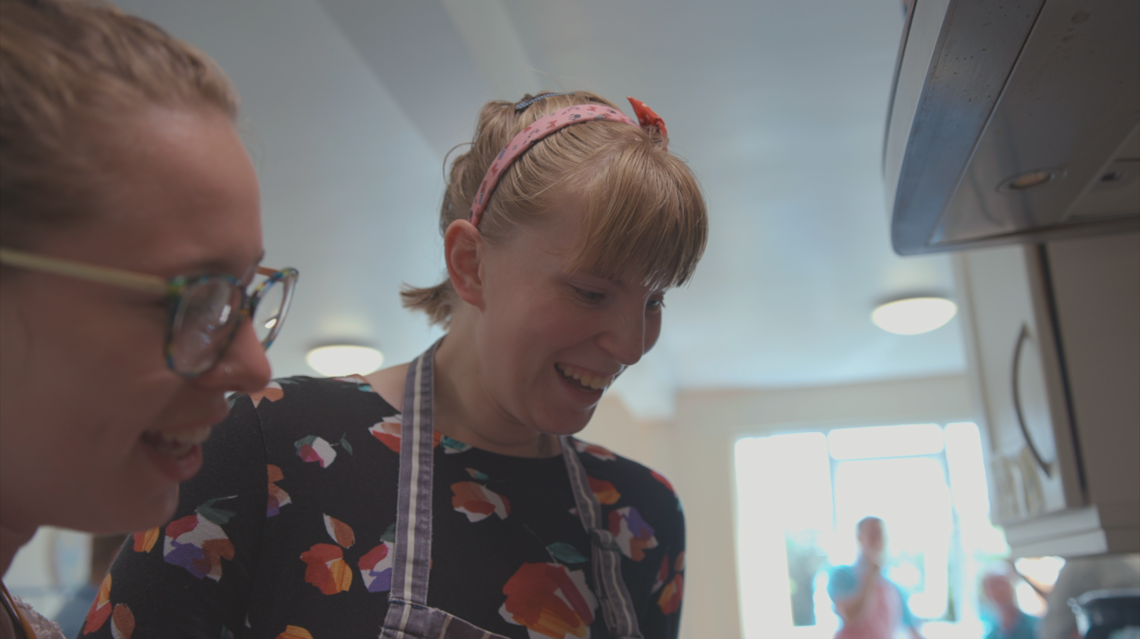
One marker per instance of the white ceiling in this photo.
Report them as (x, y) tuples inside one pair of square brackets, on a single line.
[(349, 107)]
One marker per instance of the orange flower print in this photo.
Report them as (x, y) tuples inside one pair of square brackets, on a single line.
[(595, 450), (295, 632), (632, 534), (670, 599), (271, 392), (388, 432), (341, 532), (144, 540), (100, 608), (197, 544), (550, 601), (277, 496), (122, 622), (604, 491), (326, 569), (478, 502)]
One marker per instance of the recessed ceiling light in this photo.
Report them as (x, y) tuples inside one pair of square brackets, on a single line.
[(1031, 179), (338, 360), (914, 315)]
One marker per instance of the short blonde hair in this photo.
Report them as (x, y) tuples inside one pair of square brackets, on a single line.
[(644, 207), (70, 71)]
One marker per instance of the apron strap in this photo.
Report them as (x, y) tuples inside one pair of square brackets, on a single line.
[(413, 515), (617, 605)]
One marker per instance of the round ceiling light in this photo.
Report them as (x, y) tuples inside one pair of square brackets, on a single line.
[(339, 360), (1031, 179), (914, 315)]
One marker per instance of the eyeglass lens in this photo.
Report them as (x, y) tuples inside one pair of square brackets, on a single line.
[(205, 320), (269, 314), (203, 324)]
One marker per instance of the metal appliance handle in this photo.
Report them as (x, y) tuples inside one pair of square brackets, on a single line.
[(1022, 336)]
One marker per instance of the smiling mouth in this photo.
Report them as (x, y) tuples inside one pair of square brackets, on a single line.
[(584, 380), (177, 444)]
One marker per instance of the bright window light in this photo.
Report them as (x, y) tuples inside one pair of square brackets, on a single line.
[(798, 464), (344, 359), (914, 315), (885, 441), (798, 497)]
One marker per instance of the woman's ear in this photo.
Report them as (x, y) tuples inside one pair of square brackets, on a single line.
[(463, 250)]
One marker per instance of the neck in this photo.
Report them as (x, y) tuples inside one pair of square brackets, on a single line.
[(11, 540), (464, 410)]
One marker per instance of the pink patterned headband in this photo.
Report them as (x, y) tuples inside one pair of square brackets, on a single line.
[(546, 125)]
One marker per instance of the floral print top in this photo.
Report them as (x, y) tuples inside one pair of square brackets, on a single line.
[(287, 532)]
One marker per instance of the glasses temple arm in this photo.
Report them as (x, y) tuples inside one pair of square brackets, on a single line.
[(102, 274)]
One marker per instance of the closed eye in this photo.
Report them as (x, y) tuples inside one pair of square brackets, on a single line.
[(593, 297)]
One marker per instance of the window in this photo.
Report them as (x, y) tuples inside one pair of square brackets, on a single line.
[(800, 495)]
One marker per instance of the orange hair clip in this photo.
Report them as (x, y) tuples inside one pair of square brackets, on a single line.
[(648, 117)]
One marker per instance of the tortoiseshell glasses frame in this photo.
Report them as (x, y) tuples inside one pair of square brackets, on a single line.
[(204, 311)]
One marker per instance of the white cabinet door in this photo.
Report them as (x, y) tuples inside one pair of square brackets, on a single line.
[(1033, 467)]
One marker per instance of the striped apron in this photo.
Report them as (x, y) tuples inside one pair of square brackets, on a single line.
[(409, 616)]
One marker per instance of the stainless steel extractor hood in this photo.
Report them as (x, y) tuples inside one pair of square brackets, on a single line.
[(1014, 121)]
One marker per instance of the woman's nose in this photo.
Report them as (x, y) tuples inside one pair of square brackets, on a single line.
[(626, 339), (243, 366)]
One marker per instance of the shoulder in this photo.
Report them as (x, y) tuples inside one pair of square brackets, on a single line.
[(288, 410), (314, 400), (604, 467), (298, 391), (635, 498)]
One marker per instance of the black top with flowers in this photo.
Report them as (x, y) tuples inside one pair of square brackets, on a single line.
[(287, 532)]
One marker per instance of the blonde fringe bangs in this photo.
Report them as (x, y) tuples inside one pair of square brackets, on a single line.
[(645, 213), (644, 209)]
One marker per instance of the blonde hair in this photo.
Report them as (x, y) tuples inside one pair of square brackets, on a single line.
[(644, 208), (70, 72)]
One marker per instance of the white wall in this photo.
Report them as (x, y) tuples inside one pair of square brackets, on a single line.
[(695, 451)]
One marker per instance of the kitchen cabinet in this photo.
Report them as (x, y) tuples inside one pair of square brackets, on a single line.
[(1053, 339)]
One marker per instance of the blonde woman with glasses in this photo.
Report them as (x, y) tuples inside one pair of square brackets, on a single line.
[(130, 271)]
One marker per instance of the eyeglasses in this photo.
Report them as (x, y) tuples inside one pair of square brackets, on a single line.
[(205, 311)]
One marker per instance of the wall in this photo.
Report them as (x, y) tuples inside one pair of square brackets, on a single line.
[(695, 451)]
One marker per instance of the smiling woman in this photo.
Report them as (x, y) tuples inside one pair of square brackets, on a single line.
[(131, 229), (563, 227)]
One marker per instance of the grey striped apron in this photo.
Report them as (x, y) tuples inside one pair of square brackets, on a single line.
[(409, 616)]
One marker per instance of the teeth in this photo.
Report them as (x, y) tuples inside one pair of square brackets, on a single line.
[(584, 378), (178, 443)]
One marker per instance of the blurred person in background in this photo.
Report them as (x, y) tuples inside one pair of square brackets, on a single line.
[(870, 605), (130, 233), (1008, 621)]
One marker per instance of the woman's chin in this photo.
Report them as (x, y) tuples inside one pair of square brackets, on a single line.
[(134, 512)]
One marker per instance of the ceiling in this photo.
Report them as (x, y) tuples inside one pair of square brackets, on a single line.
[(350, 106)]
